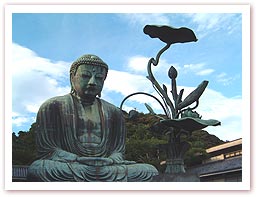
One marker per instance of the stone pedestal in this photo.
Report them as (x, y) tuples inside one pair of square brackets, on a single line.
[(174, 166), (179, 177)]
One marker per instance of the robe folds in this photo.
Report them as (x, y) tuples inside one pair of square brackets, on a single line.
[(62, 157)]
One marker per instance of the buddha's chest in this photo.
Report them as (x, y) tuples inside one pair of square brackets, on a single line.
[(89, 125)]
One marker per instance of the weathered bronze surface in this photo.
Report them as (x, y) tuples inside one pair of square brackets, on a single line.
[(81, 137)]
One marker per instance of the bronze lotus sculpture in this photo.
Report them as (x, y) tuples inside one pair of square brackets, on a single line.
[(179, 118)]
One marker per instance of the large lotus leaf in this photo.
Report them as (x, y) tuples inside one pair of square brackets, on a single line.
[(190, 124), (169, 34)]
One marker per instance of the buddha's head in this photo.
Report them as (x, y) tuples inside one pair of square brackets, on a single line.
[(87, 76)]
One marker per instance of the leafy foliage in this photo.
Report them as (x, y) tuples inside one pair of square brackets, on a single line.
[(24, 147), (141, 145)]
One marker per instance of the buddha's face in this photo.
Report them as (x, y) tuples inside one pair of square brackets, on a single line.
[(88, 80)]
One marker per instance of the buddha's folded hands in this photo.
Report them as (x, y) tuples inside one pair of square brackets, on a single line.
[(95, 161)]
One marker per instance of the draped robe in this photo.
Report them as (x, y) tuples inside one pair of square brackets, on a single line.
[(59, 146)]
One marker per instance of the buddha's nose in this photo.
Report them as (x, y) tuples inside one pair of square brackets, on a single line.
[(92, 81)]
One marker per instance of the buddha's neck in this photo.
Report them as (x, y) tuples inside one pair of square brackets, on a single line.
[(85, 101)]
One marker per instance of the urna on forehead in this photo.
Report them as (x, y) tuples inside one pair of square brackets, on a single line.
[(88, 59)]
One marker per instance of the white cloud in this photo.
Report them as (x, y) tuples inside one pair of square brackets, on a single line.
[(143, 19), (125, 83), (138, 64), (20, 119), (34, 79), (198, 69), (194, 66), (23, 60), (225, 79), (205, 72), (207, 22)]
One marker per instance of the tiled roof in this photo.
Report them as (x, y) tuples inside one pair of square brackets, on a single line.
[(230, 164), (233, 143)]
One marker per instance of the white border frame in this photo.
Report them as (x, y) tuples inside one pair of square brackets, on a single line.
[(137, 8)]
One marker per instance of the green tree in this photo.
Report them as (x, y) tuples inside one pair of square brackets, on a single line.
[(24, 147), (142, 145)]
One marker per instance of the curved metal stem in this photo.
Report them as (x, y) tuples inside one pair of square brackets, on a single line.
[(156, 84), (147, 94), (164, 101), (156, 61)]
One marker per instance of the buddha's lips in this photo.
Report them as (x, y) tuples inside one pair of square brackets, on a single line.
[(91, 88)]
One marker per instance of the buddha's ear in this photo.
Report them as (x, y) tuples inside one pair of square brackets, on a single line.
[(71, 82), (99, 94)]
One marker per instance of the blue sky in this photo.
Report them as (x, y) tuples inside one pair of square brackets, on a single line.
[(45, 45)]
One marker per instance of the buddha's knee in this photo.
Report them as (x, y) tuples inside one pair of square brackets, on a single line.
[(49, 170), (141, 172), (35, 171)]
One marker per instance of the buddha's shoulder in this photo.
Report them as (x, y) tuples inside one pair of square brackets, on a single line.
[(109, 105), (57, 100)]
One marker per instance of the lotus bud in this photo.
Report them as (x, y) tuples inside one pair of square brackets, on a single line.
[(172, 73)]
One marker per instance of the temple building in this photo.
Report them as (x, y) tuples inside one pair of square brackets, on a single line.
[(223, 165)]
